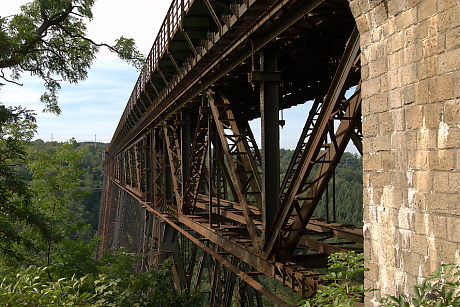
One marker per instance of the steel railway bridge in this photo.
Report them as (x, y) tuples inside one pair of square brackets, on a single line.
[(184, 176)]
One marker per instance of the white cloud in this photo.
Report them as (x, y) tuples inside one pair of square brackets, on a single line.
[(95, 105)]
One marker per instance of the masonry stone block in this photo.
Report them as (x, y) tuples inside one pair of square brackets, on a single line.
[(388, 163), (453, 138), (410, 140), (449, 250), (427, 68), (427, 139), (439, 226), (441, 181), (419, 160), (394, 79), (413, 117), (446, 4), (381, 179), (411, 262), (445, 86), (408, 94), (406, 18), (378, 103), (448, 61), (448, 18), (432, 114), (371, 87), (453, 229), (424, 90), (370, 125), (419, 245), (453, 38), (385, 123), (454, 182), (443, 203), (422, 180), (441, 160), (422, 221), (412, 217), (382, 143), (452, 112), (426, 8)]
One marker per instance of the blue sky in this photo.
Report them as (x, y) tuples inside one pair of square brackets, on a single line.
[(90, 108), (94, 107)]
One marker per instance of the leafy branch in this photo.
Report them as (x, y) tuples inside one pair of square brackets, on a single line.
[(439, 289), (48, 39), (344, 270)]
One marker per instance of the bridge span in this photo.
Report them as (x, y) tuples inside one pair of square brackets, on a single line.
[(184, 176)]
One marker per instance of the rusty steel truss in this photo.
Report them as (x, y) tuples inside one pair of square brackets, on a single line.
[(184, 176)]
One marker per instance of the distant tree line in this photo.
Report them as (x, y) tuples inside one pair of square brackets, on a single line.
[(348, 189)]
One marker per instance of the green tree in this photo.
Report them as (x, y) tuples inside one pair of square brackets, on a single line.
[(48, 39), (56, 183), (17, 211)]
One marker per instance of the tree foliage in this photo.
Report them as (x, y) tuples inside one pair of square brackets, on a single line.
[(343, 290), (31, 287), (17, 211), (348, 189), (48, 39), (56, 178), (439, 289)]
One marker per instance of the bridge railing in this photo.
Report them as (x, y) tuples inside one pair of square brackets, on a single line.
[(170, 26)]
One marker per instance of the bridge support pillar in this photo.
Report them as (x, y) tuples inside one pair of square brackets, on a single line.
[(269, 78)]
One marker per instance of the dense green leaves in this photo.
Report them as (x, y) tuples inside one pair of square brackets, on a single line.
[(17, 211), (31, 287), (56, 177), (343, 290), (64, 271)]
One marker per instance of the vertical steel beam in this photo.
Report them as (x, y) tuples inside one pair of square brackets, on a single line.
[(168, 180), (148, 152), (186, 142), (269, 109), (210, 168)]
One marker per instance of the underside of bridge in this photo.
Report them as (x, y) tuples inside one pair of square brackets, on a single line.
[(184, 175)]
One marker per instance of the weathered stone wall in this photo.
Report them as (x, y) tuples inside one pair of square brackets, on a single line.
[(411, 125)]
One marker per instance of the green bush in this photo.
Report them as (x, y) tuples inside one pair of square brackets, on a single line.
[(345, 274), (440, 289), (32, 287)]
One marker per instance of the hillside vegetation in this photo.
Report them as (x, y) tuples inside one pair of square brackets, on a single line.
[(348, 189)]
